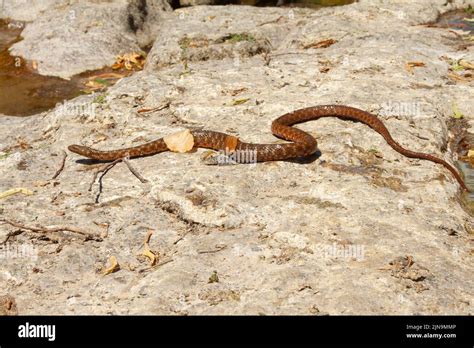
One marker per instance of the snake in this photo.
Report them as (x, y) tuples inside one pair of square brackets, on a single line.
[(301, 144)]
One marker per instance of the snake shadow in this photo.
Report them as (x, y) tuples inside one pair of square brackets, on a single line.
[(307, 159), (90, 161)]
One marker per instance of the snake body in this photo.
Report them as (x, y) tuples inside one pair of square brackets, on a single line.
[(302, 144)]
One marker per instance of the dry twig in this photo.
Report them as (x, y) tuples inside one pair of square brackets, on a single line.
[(158, 108), (104, 169), (43, 229), (61, 167), (134, 171), (217, 249)]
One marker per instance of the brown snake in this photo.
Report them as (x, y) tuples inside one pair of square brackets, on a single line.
[(303, 144)]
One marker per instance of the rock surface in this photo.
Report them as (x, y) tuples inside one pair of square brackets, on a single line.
[(361, 230), (86, 35)]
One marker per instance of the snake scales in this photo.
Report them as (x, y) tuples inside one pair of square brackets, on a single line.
[(303, 144)]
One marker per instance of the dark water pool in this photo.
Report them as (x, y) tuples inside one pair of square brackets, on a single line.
[(22, 91)]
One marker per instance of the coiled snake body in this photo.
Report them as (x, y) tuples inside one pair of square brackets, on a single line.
[(303, 144)]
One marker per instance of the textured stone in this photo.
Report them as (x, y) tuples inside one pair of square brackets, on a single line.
[(361, 230)]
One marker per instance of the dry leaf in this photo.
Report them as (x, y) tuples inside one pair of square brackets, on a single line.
[(114, 266), (15, 190), (465, 64), (321, 44), (240, 101), (456, 113), (214, 278), (23, 144), (95, 85), (147, 251), (129, 61), (149, 254), (235, 92), (410, 65), (180, 142), (463, 78)]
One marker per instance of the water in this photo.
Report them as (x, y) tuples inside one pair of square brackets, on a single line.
[(22, 91)]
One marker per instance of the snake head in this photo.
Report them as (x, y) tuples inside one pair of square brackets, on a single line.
[(212, 158)]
